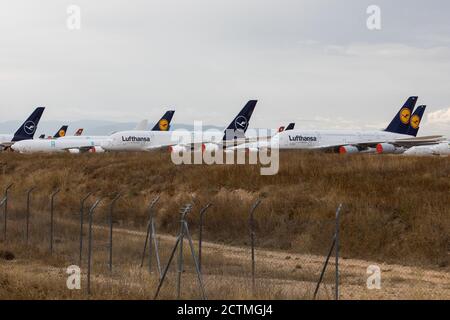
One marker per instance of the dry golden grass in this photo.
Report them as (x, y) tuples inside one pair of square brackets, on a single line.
[(395, 208)]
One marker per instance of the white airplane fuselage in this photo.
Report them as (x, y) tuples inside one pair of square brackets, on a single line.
[(317, 139), (440, 149), (55, 145), (134, 140)]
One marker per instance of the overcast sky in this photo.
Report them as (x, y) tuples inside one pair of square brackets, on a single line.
[(310, 61)]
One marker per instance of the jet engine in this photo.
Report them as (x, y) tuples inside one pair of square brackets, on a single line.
[(442, 149), (210, 147), (387, 148), (348, 149), (96, 150)]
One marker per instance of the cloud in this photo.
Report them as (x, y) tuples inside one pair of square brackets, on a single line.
[(301, 59), (439, 117), (438, 122)]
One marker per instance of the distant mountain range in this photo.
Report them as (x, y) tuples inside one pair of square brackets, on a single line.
[(91, 127)]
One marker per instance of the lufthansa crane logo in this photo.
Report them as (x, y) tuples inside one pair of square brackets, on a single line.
[(29, 127), (241, 123), (163, 125), (405, 115), (62, 133), (415, 121)]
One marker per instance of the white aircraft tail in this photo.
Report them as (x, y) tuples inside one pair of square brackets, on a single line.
[(142, 126)]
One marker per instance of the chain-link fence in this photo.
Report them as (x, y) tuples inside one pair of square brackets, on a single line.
[(128, 258)]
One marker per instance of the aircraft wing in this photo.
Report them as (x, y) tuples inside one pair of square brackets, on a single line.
[(5, 145), (198, 145), (406, 143), (85, 146), (159, 147), (240, 141), (418, 141)]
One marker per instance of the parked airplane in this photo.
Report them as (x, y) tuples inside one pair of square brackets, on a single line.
[(151, 140), (58, 145), (291, 126), (260, 142), (413, 129), (441, 149), (26, 130), (74, 144), (397, 137), (79, 133), (61, 132)]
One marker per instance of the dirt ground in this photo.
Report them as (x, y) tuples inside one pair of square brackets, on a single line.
[(226, 274)]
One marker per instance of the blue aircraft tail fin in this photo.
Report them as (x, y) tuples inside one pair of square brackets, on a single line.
[(164, 123), (27, 130), (400, 123), (416, 118), (61, 132), (290, 126), (237, 127)]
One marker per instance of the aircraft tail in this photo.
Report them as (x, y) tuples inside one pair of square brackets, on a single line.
[(237, 127), (164, 123), (79, 132), (414, 123), (27, 130), (142, 126), (290, 126), (61, 132), (400, 123)]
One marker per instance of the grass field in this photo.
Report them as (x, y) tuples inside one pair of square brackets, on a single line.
[(396, 212)]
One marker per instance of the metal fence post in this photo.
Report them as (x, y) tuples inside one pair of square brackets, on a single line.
[(148, 239), (324, 268), (163, 276), (180, 258), (184, 211), (6, 210), (197, 269), (111, 208), (51, 218), (337, 252), (333, 246), (28, 213), (91, 212), (252, 239), (81, 225), (200, 235), (156, 241), (184, 232), (150, 243)]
